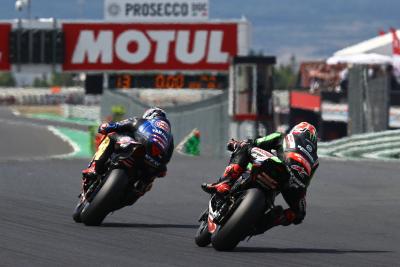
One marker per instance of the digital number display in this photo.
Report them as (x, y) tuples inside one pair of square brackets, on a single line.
[(167, 81)]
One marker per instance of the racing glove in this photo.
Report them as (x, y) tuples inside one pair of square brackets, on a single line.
[(105, 128)]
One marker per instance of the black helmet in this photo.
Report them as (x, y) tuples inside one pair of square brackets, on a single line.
[(306, 132), (154, 112)]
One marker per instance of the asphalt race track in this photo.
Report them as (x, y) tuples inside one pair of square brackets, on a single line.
[(353, 214)]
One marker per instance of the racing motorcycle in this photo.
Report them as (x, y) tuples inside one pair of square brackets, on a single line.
[(231, 218), (109, 191)]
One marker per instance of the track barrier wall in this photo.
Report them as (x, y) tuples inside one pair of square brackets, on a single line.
[(380, 145)]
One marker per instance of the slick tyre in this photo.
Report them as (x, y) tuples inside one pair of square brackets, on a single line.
[(108, 197), (202, 237), (238, 225), (76, 215)]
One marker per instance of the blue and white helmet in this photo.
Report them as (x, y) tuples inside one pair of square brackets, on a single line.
[(154, 112)]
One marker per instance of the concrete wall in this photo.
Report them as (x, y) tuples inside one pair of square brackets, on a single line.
[(368, 100)]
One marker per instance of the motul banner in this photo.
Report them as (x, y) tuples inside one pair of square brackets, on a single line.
[(156, 46), (4, 46)]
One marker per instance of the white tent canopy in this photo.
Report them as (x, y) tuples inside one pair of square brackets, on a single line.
[(381, 45), (362, 58)]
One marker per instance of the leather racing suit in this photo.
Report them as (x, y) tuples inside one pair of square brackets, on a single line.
[(293, 167), (155, 134)]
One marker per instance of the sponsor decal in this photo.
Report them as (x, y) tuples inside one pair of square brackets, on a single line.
[(163, 125), (309, 148), (159, 132), (113, 10), (159, 140), (149, 46), (102, 147), (151, 161), (155, 10), (259, 154), (4, 46), (125, 139), (302, 149), (295, 182), (299, 169), (299, 158)]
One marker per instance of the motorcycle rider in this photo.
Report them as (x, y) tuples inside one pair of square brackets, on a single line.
[(153, 131), (290, 171)]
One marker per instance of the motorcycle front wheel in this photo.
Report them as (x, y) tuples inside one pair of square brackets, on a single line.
[(237, 227), (202, 237), (106, 199), (76, 215)]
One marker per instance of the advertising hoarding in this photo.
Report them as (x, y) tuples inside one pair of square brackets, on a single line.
[(149, 46), (5, 29), (155, 10)]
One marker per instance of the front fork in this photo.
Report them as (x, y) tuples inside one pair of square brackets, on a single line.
[(217, 216)]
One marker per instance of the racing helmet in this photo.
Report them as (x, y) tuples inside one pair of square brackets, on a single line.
[(300, 149), (305, 132), (154, 112)]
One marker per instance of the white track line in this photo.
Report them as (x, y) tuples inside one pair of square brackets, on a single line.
[(75, 147)]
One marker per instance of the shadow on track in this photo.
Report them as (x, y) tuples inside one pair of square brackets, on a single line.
[(305, 250), (145, 225)]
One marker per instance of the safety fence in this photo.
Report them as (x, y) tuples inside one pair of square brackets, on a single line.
[(170, 97), (209, 116), (82, 112), (380, 145), (41, 96)]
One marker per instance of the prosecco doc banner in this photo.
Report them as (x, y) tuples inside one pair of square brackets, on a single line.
[(4, 46), (149, 46), (155, 10)]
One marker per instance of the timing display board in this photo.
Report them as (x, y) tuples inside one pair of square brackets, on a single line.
[(168, 81)]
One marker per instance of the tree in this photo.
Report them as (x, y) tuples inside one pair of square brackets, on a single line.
[(40, 82), (62, 79), (7, 79), (285, 75)]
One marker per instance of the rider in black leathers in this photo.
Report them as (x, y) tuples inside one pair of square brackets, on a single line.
[(153, 131), (290, 171)]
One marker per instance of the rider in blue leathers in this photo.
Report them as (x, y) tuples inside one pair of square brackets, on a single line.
[(153, 131)]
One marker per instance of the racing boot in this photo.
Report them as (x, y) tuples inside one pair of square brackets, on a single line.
[(88, 176), (276, 216), (223, 186)]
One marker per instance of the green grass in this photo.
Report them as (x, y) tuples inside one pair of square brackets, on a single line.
[(81, 138), (53, 117)]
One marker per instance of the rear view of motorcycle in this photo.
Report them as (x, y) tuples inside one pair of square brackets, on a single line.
[(231, 218), (109, 192)]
